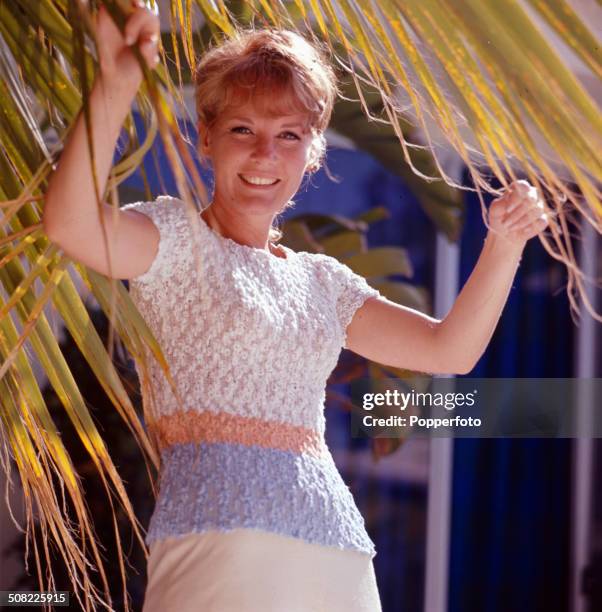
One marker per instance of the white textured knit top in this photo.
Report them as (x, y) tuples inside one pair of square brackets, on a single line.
[(250, 339)]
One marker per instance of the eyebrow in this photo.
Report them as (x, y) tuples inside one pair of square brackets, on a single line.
[(295, 124)]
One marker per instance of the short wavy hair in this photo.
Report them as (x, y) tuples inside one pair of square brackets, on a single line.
[(278, 68)]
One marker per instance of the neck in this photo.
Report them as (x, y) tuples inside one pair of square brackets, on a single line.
[(251, 231)]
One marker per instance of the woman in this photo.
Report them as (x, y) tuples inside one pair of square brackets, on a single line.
[(252, 512)]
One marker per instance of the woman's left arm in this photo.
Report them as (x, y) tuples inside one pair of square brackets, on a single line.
[(402, 337)]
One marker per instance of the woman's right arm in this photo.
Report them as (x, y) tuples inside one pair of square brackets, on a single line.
[(70, 217)]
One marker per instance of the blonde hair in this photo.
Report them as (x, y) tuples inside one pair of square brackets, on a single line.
[(278, 67)]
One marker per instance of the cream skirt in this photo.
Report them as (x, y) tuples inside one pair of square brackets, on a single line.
[(248, 570)]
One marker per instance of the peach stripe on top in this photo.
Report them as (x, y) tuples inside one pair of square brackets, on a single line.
[(207, 426)]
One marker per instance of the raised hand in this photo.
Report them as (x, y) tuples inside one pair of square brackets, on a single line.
[(519, 213), (117, 61)]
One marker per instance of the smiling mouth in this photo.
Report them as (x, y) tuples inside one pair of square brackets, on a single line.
[(246, 182)]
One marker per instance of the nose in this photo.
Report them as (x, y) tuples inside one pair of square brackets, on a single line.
[(264, 147)]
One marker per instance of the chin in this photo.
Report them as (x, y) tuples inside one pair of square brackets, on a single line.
[(262, 206)]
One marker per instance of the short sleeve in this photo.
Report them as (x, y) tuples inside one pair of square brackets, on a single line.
[(162, 212), (350, 291)]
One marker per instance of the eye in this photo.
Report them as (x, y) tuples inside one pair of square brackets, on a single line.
[(242, 127)]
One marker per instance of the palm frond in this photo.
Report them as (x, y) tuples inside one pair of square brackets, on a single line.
[(422, 78)]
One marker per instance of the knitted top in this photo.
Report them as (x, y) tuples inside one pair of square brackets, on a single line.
[(251, 339)]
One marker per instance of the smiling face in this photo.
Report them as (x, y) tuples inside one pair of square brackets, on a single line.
[(246, 146)]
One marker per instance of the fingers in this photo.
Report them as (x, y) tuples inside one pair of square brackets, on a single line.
[(151, 5), (143, 25), (521, 188), (535, 227), (523, 218), (519, 213), (512, 197), (504, 209), (143, 28), (520, 198)]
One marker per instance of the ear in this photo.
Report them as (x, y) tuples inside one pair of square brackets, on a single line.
[(316, 151), (313, 163), (204, 141)]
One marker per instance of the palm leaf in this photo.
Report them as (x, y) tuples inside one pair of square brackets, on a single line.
[(479, 79), (439, 200)]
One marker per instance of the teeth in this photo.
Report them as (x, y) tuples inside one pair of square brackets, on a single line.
[(256, 180)]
